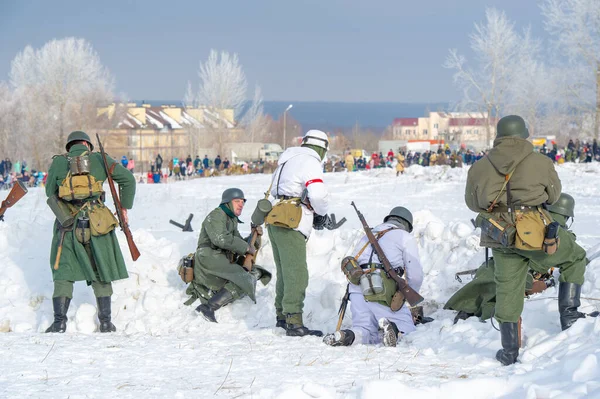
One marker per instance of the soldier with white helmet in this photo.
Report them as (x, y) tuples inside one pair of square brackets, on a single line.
[(373, 321), (300, 203)]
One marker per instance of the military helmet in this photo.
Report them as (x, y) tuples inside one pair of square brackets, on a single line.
[(512, 125), (565, 205), (402, 213), (231, 194), (78, 135), (317, 138)]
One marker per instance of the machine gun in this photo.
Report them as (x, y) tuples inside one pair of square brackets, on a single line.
[(404, 291), (17, 192), (187, 226)]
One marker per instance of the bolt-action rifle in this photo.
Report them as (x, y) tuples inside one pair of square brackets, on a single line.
[(135, 253), (411, 296), (17, 192)]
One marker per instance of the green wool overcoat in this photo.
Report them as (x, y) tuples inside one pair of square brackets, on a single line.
[(212, 267), (534, 181), (75, 263)]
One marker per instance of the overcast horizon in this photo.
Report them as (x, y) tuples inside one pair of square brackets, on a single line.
[(334, 51)]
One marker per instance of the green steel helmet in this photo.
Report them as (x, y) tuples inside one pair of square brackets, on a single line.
[(402, 213), (231, 194), (565, 205), (78, 135), (512, 125)]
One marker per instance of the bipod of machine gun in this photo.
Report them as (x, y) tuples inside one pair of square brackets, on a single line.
[(335, 225), (184, 227)]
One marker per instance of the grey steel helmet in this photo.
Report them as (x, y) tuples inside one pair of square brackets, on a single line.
[(78, 135), (565, 205), (402, 213), (231, 194), (512, 125)]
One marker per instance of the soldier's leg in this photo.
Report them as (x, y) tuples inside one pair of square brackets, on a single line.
[(364, 323), (103, 292), (510, 275), (279, 284), (229, 293), (294, 270), (61, 298), (570, 258)]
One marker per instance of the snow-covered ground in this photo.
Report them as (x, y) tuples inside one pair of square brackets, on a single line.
[(163, 349)]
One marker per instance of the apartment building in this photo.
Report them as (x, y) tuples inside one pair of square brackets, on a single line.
[(455, 128)]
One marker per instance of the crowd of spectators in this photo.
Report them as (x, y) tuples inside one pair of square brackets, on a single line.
[(11, 171)]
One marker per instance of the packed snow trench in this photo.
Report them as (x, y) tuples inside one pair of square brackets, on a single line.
[(164, 349)]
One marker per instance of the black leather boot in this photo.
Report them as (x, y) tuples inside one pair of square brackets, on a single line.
[(462, 315), (509, 333), (340, 338), (61, 306), (217, 301), (568, 302), (294, 326), (104, 313)]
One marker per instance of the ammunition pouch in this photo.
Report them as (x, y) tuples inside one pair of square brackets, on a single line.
[(78, 187), (531, 230), (185, 268), (82, 230), (286, 213), (102, 220), (496, 228)]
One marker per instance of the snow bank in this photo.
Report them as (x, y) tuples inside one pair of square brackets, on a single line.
[(165, 343)]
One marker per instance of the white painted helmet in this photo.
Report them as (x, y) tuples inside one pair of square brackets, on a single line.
[(316, 137)]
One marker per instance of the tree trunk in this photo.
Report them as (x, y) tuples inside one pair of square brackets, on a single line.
[(597, 118)]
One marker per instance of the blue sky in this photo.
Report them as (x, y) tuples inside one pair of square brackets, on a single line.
[(309, 50)]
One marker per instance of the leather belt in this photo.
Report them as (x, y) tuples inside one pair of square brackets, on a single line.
[(504, 209)]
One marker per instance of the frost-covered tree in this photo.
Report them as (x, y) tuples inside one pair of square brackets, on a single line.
[(575, 26), (59, 87), (222, 86), (486, 85), (254, 120)]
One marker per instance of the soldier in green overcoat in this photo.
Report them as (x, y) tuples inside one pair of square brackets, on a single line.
[(478, 297), (513, 178), (219, 277), (86, 254)]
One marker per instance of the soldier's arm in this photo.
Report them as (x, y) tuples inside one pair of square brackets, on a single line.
[(216, 229), (125, 179), (412, 263), (51, 179), (471, 193), (554, 186), (317, 192)]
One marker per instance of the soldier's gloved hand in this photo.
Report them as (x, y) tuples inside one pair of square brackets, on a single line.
[(320, 222), (251, 250), (259, 231)]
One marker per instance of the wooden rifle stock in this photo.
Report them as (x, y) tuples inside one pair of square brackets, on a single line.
[(17, 192), (135, 253), (249, 259), (411, 296)]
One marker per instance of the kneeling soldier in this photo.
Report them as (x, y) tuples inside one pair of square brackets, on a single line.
[(372, 317), (478, 297), (219, 277)]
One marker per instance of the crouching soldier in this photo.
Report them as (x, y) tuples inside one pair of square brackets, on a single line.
[(373, 321), (478, 297), (219, 277)]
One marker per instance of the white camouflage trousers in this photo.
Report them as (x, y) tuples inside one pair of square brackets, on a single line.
[(366, 315)]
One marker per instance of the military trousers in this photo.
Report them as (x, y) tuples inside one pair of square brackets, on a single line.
[(511, 272), (289, 253), (64, 288)]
